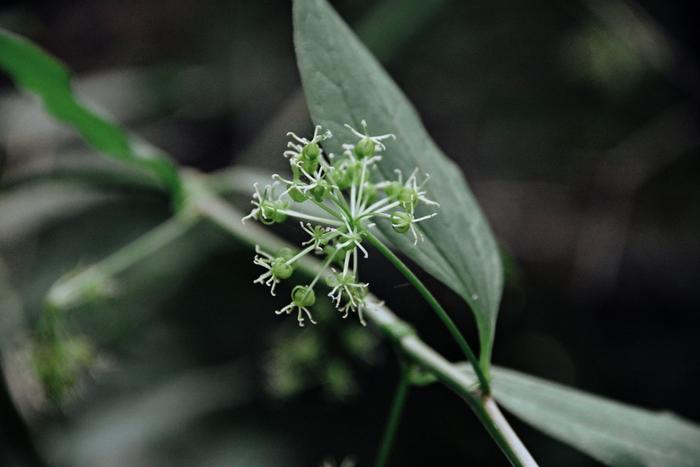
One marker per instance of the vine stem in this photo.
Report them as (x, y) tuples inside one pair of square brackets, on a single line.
[(394, 417), (461, 383), (437, 308), (220, 212), (204, 204), (70, 290)]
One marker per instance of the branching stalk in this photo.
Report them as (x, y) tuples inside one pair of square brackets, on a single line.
[(394, 417), (206, 205), (391, 326)]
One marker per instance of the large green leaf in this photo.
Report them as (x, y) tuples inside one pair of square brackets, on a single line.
[(33, 69), (344, 83), (613, 433)]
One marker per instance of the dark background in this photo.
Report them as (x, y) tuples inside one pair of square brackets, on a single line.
[(576, 124)]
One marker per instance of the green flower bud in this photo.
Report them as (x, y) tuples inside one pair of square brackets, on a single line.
[(408, 198), (393, 189), (280, 269), (358, 293), (310, 165), (332, 279), (401, 221), (311, 151), (271, 212), (343, 175), (364, 148), (320, 190), (303, 296), (279, 217), (297, 195)]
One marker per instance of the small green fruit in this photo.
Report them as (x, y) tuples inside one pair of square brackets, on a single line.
[(364, 148), (311, 151), (408, 198), (320, 190), (296, 195), (280, 269), (393, 189), (303, 296), (401, 221)]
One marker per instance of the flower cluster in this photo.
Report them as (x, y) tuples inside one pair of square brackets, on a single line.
[(343, 202)]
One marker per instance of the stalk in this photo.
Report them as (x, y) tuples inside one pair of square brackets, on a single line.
[(394, 417), (437, 308), (68, 292), (206, 205), (398, 331)]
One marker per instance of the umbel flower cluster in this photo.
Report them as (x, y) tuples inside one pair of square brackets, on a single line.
[(336, 201)]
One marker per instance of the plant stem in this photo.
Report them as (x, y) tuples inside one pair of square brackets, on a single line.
[(500, 429), (394, 418), (69, 291), (435, 305), (209, 206), (389, 324), (461, 383), (309, 217)]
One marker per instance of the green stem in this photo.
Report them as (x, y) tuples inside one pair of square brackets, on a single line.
[(312, 218), (435, 305), (207, 205), (71, 290), (461, 383), (326, 208), (394, 418)]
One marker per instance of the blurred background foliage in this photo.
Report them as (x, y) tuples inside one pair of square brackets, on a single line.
[(576, 124)]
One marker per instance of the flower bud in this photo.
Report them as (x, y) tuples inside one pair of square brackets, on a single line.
[(401, 221), (342, 175), (393, 189), (311, 151), (364, 148), (309, 165), (320, 190), (332, 280), (271, 212), (280, 269), (296, 195), (408, 197), (303, 296)]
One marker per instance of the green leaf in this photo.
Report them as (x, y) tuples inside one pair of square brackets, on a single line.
[(613, 433), (36, 71), (344, 83)]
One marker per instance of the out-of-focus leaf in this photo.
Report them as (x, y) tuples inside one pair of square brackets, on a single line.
[(34, 206), (34, 70), (78, 168), (615, 434), (344, 83), (131, 426)]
